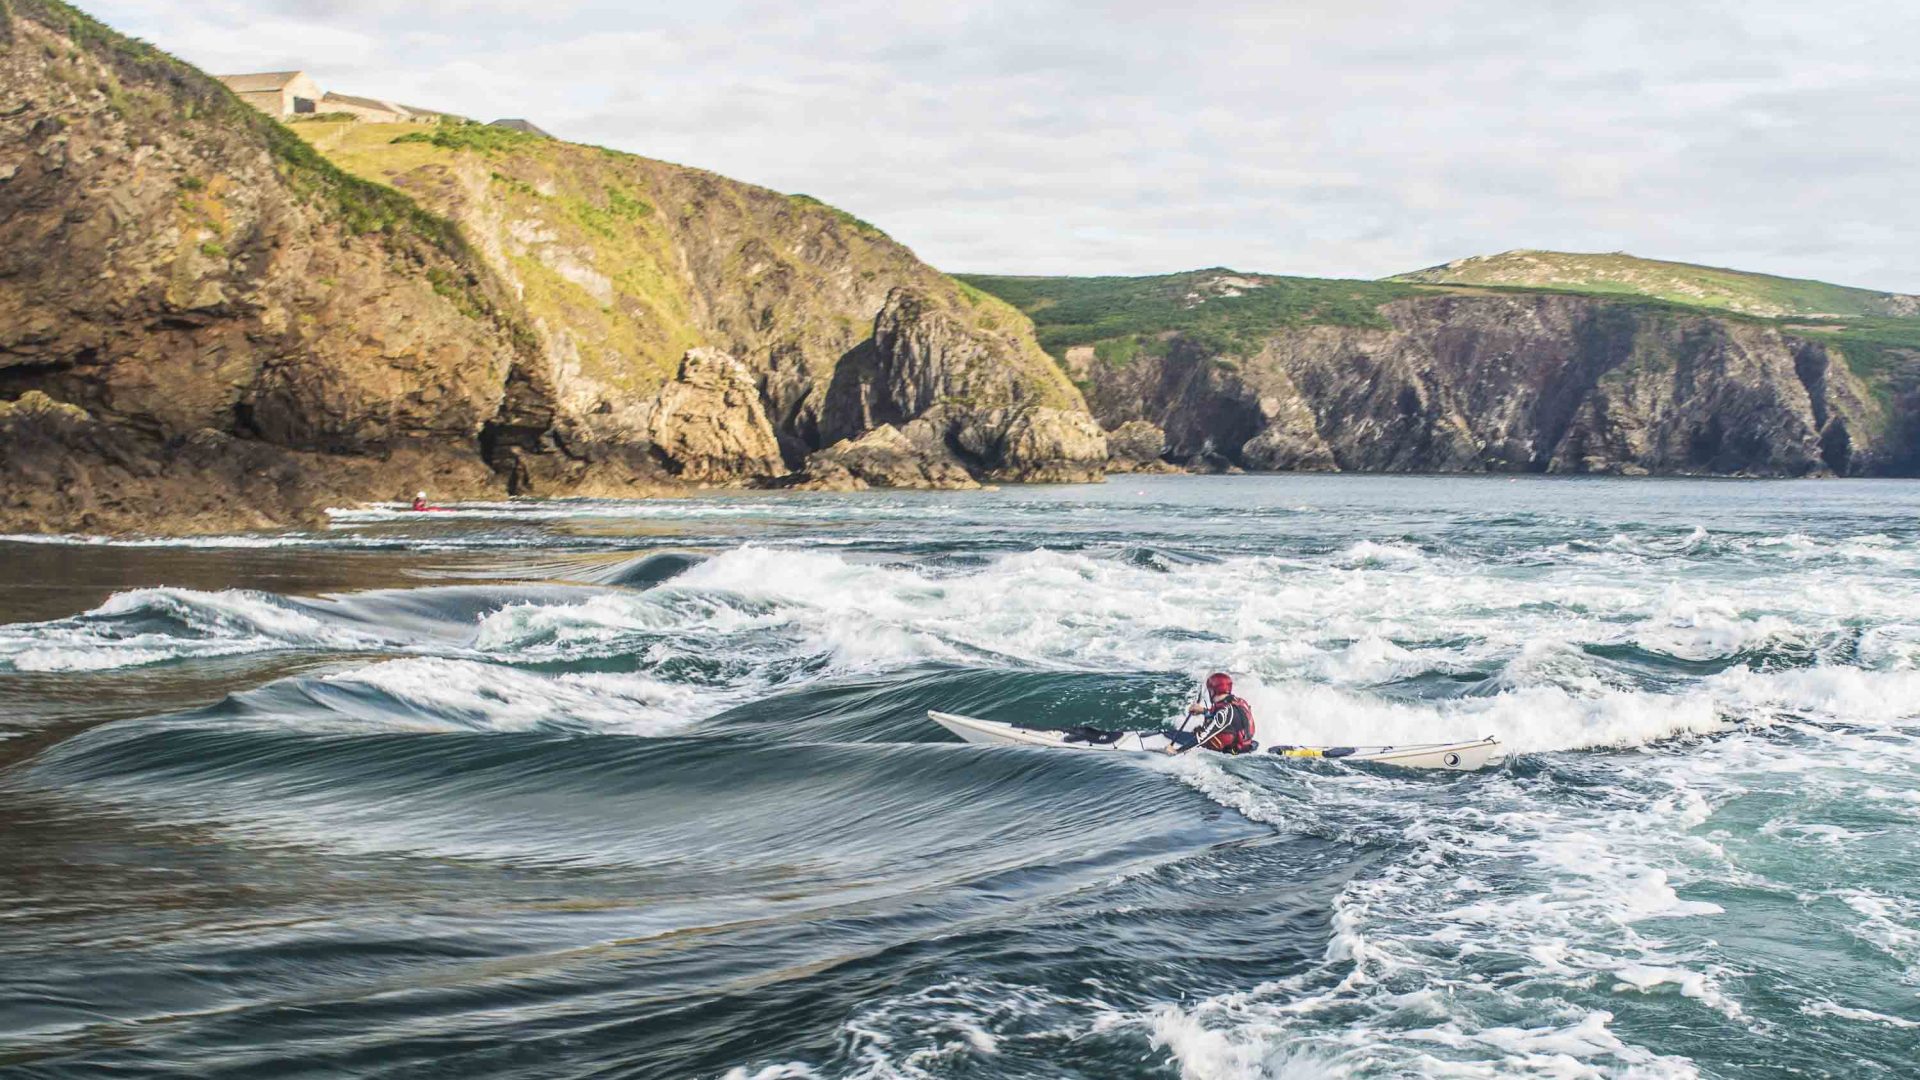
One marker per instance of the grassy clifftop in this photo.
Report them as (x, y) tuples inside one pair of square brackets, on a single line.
[(1229, 310), (623, 262), (1707, 287)]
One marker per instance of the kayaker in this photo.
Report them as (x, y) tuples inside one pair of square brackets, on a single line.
[(420, 501), (1226, 724)]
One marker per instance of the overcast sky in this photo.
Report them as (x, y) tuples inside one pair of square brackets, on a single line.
[(1329, 137)]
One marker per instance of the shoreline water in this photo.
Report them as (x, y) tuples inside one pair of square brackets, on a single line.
[(325, 521)]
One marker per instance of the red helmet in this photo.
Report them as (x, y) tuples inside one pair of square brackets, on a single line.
[(1219, 684)]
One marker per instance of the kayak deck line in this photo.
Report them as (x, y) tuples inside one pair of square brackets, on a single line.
[(1465, 756)]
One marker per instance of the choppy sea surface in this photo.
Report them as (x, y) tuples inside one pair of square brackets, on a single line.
[(594, 789)]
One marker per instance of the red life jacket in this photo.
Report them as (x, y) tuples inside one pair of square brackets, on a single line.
[(1238, 736)]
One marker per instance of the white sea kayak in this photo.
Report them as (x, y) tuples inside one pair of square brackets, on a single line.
[(1457, 756)]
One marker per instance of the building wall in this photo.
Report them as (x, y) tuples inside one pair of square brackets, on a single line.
[(301, 95), (270, 102)]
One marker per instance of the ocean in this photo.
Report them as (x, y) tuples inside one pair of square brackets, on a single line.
[(597, 789)]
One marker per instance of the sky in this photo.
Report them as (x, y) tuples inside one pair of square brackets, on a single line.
[(1336, 138)]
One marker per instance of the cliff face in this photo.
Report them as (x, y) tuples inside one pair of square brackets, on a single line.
[(185, 273), (1517, 382), (622, 263), (520, 315)]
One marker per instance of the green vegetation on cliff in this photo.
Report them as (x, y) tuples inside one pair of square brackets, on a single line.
[(468, 135), (148, 86), (1884, 352), (1708, 287), (860, 224), (625, 262), (1230, 311), (187, 96)]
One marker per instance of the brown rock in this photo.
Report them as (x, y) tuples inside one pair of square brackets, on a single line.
[(1035, 445), (888, 457), (69, 472), (159, 242), (1290, 442), (1135, 446), (708, 424)]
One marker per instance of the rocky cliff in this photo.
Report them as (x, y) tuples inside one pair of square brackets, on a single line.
[(1448, 381), (184, 273), (622, 263), (1509, 383), (200, 309)]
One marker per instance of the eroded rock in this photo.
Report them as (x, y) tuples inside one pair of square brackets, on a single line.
[(889, 457), (1034, 445), (68, 471), (1290, 442), (1136, 446), (709, 425)]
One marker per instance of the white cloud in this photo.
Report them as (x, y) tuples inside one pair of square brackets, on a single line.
[(1334, 137)]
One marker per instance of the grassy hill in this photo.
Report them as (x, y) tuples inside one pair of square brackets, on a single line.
[(1682, 283), (623, 262), (1230, 310)]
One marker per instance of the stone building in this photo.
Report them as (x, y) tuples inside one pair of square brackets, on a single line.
[(288, 95), (279, 94)]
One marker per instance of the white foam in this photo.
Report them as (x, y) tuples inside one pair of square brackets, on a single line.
[(1694, 627), (1377, 554), (1868, 1016), (1693, 984), (1205, 1053), (1569, 901), (1890, 924), (447, 695), (1661, 546), (791, 1070), (210, 624), (1839, 692)]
